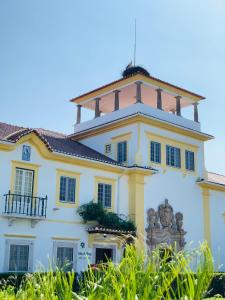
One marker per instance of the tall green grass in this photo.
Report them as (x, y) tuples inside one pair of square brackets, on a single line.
[(161, 275)]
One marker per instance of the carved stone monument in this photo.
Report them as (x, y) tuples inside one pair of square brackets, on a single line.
[(165, 227)]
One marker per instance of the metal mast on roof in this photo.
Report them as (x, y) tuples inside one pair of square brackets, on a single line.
[(135, 36)]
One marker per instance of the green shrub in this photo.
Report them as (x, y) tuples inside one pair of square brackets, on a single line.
[(91, 211), (137, 276), (95, 212), (153, 277)]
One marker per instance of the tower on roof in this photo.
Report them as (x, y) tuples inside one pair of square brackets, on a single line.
[(138, 86)]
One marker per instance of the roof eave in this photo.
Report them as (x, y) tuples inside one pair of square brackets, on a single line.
[(80, 98), (211, 185)]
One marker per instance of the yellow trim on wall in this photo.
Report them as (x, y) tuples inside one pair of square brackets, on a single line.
[(212, 186), (122, 137), (138, 154), (27, 166), (105, 180), (64, 222), (146, 120), (71, 160), (206, 215), (136, 203), (163, 140), (100, 238), (66, 173), (118, 139), (62, 238), (23, 236)]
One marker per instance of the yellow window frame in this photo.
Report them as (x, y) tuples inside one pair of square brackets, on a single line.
[(70, 174), (164, 141), (118, 139), (27, 166), (105, 180)]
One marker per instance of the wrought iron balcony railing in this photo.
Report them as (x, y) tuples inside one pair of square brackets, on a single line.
[(33, 207)]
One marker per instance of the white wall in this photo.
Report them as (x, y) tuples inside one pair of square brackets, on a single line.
[(98, 142), (61, 222), (181, 190), (217, 221)]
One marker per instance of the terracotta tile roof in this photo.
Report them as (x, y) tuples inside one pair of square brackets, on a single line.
[(100, 229), (216, 178), (7, 129), (56, 142)]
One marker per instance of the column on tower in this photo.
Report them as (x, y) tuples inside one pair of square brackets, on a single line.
[(78, 114), (195, 104), (178, 105), (116, 100), (97, 107), (138, 92), (159, 98)]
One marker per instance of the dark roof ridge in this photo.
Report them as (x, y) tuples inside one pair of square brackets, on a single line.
[(59, 143), (43, 131), (12, 125)]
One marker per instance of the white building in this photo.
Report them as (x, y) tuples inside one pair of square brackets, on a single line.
[(136, 152)]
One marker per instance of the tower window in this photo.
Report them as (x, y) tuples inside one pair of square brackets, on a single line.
[(155, 149), (122, 152), (108, 148), (173, 156), (190, 160)]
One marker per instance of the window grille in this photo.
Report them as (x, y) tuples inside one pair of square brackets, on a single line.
[(108, 148), (173, 156), (122, 152), (155, 154), (67, 189), (189, 160), (65, 258), (105, 194), (18, 258)]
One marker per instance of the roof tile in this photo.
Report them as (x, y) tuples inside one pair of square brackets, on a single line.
[(56, 142)]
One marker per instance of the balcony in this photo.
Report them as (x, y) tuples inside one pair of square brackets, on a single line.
[(133, 110), (25, 207), (137, 94)]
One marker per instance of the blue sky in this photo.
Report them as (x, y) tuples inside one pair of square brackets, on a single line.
[(54, 50)]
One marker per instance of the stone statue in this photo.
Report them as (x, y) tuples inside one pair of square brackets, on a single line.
[(151, 218), (179, 221), (166, 214), (165, 227)]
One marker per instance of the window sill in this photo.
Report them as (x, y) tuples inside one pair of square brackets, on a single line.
[(66, 204)]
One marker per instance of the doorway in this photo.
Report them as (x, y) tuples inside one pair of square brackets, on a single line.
[(103, 255)]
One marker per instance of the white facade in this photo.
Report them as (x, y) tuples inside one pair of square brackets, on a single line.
[(200, 200)]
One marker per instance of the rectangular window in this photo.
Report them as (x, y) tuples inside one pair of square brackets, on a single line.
[(105, 194), (108, 148), (65, 258), (24, 182), (122, 152), (190, 160), (18, 258), (65, 254), (173, 156), (155, 152), (67, 189)]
